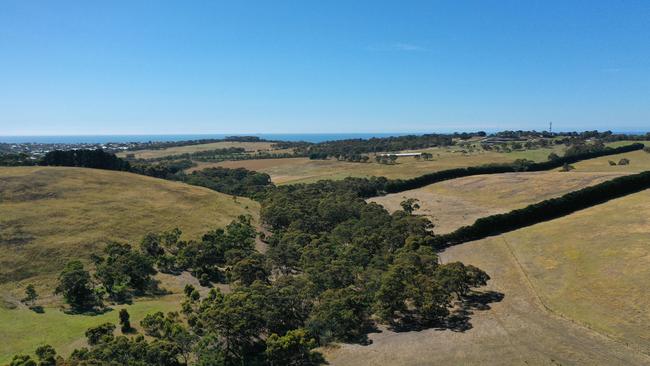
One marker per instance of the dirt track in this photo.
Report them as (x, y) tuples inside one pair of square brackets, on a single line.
[(518, 330)]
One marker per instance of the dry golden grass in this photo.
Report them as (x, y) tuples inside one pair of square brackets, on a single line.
[(576, 293), (639, 162), (151, 154), (304, 170), (458, 202), (51, 215)]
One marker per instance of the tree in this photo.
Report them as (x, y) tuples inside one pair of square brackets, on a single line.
[(125, 323), (567, 167), (553, 156), (46, 355), (410, 205), (624, 161), (100, 333), (76, 286), (30, 295), (339, 314), (250, 269), (22, 360), (292, 349)]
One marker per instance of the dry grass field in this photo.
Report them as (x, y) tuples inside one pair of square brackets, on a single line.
[(639, 162), (458, 202), (151, 154), (304, 170), (575, 293), (53, 214)]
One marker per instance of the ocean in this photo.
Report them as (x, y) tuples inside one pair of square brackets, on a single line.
[(77, 139)]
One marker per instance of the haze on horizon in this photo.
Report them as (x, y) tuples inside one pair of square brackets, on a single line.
[(137, 67)]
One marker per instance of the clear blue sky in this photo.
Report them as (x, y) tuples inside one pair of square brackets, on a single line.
[(139, 67)]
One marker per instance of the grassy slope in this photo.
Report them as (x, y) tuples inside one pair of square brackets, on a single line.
[(53, 214), (455, 203), (303, 170), (149, 154), (591, 269)]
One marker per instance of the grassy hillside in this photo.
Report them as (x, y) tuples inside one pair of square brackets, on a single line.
[(575, 293), (53, 214), (158, 153), (304, 170), (458, 202), (639, 162)]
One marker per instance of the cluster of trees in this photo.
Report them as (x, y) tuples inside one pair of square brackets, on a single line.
[(19, 159), (158, 145), (119, 274), (354, 147), (238, 181), (98, 159), (336, 265), (221, 255), (213, 154)]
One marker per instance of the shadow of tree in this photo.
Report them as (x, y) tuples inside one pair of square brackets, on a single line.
[(458, 319)]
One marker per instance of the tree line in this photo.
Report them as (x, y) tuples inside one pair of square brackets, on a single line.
[(400, 185), (546, 210)]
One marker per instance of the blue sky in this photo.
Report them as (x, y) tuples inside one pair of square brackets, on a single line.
[(141, 67)]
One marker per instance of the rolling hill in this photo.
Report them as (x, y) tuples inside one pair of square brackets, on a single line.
[(53, 214)]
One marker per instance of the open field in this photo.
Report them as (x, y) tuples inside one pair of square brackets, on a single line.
[(639, 162), (304, 170), (51, 215), (23, 330), (575, 293), (158, 153), (458, 202)]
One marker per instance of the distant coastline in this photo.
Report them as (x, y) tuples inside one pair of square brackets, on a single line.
[(309, 137)]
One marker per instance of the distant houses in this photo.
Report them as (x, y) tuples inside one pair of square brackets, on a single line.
[(401, 154)]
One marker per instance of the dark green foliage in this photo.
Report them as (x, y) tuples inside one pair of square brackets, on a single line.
[(355, 147), (250, 269), (340, 314), (125, 322), (19, 159), (292, 349), (76, 286), (240, 181), (123, 270), (30, 295), (22, 360), (85, 158), (216, 249), (126, 351), (100, 333), (409, 205), (46, 355)]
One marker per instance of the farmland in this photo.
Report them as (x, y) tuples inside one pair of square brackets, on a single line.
[(572, 295), (458, 202), (304, 170), (188, 149)]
